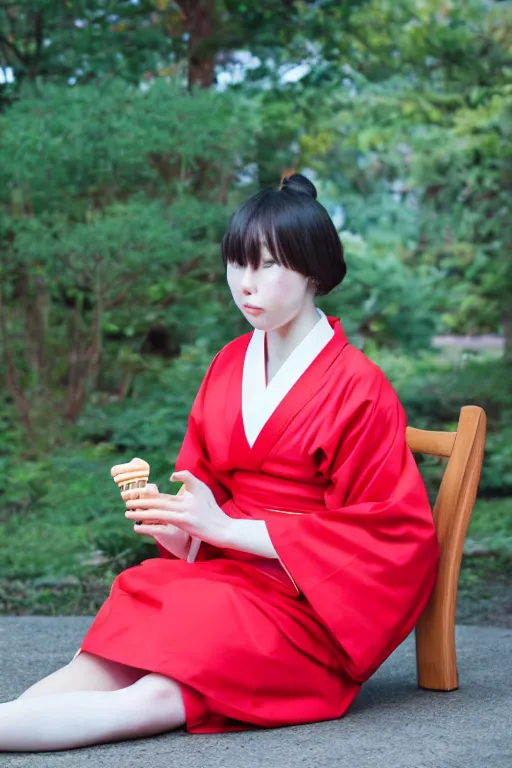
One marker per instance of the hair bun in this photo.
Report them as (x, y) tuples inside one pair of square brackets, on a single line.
[(299, 183)]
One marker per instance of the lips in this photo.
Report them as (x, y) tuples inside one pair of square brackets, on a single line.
[(256, 311)]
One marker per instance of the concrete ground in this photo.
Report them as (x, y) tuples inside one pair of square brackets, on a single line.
[(392, 723)]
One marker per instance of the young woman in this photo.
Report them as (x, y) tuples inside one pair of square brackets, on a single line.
[(318, 550)]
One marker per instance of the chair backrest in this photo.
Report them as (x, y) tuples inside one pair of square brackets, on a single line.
[(452, 511), (457, 492)]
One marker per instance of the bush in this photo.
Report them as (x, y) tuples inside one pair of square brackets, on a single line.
[(433, 389)]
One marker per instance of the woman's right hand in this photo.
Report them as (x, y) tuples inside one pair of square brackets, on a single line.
[(173, 539)]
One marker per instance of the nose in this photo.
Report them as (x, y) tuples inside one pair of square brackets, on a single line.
[(248, 280)]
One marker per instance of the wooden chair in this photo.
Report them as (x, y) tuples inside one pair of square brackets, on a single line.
[(435, 631)]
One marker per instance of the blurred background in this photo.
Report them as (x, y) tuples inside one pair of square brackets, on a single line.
[(129, 132)]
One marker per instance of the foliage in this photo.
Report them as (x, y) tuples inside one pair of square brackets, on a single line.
[(433, 388), (80, 41), (86, 243), (382, 300), (116, 184), (424, 112)]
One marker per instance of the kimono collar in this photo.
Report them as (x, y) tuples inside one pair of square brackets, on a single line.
[(315, 340), (260, 401)]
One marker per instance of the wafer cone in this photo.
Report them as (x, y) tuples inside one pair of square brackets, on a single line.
[(134, 474)]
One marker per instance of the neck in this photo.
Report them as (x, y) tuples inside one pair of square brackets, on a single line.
[(282, 341)]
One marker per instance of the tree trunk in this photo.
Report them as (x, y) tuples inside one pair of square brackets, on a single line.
[(77, 368), (95, 349), (21, 403), (200, 17), (35, 308)]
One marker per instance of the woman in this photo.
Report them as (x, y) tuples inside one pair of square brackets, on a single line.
[(318, 550)]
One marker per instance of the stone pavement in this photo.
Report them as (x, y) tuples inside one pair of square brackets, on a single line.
[(392, 723)]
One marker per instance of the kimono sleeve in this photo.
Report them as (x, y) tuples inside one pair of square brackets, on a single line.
[(193, 455), (367, 563)]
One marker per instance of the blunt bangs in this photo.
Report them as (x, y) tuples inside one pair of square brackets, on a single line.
[(250, 228), (297, 231)]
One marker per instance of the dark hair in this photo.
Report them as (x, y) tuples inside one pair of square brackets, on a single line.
[(295, 227)]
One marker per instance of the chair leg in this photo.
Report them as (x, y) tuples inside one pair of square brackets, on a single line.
[(435, 647)]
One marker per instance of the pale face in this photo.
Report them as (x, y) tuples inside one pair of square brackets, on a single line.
[(281, 292)]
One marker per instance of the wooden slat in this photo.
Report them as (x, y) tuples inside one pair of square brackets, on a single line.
[(431, 443)]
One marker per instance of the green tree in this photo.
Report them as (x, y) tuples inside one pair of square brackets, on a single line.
[(85, 40), (423, 117), (110, 226)]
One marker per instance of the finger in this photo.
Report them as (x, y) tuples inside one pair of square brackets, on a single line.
[(147, 492), (150, 530), (147, 516), (160, 502), (136, 496), (144, 529), (133, 493), (186, 477), (157, 515)]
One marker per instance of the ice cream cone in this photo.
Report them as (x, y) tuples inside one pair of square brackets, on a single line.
[(134, 474)]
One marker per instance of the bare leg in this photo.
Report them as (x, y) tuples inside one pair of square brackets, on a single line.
[(152, 705), (86, 672)]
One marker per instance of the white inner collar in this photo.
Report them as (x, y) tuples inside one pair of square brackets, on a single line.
[(260, 401)]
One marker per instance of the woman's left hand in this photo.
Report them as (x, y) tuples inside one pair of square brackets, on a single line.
[(194, 511)]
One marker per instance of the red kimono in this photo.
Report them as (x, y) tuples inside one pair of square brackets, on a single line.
[(259, 642)]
